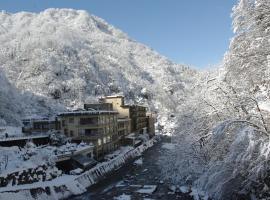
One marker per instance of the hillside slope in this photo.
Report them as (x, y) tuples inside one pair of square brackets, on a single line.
[(15, 104), (71, 57)]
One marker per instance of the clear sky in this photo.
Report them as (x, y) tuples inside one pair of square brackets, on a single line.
[(194, 32)]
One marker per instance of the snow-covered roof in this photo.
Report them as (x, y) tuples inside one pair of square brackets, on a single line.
[(123, 119), (133, 105), (84, 160), (112, 96), (131, 136), (23, 138), (87, 112)]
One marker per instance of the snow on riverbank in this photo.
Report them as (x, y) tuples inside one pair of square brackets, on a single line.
[(138, 162), (147, 189), (123, 197), (168, 146), (65, 186), (17, 159)]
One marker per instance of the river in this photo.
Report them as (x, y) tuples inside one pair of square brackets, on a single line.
[(135, 181)]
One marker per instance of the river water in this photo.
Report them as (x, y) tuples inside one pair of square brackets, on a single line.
[(127, 182)]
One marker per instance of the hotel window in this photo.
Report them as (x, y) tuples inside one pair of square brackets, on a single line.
[(99, 142), (91, 132), (71, 120), (87, 121), (71, 133), (81, 132)]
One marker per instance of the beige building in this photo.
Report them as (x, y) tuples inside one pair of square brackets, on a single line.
[(97, 127), (118, 105), (136, 113)]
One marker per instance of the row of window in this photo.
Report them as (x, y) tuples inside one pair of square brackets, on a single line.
[(95, 132), (41, 126), (87, 121), (92, 120), (105, 139)]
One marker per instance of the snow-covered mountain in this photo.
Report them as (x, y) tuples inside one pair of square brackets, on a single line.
[(71, 57)]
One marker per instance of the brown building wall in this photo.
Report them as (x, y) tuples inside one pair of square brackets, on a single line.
[(138, 118), (123, 127), (101, 130), (151, 125)]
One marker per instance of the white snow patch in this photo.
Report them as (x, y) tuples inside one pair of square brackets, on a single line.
[(195, 194), (139, 161), (168, 146), (76, 171), (184, 189), (12, 131), (120, 184), (265, 106), (123, 197), (147, 189)]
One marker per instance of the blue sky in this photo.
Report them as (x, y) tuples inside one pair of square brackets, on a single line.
[(194, 32)]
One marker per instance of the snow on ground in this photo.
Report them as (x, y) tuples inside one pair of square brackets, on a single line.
[(61, 180), (120, 184), (69, 148), (138, 162), (265, 106), (195, 194), (118, 152), (12, 131), (147, 189), (77, 184), (16, 158), (168, 146), (184, 189), (123, 197)]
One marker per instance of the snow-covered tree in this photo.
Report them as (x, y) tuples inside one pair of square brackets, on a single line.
[(247, 61), (222, 132)]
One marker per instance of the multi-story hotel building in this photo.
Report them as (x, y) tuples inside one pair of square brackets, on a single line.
[(97, 127)]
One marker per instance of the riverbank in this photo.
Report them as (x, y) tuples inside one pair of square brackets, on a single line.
[(67, 185), (137, 180)]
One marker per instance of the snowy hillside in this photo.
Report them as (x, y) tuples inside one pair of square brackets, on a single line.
[(15, 104), (72, 57), (8, 96)]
